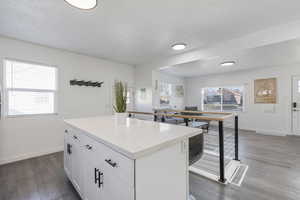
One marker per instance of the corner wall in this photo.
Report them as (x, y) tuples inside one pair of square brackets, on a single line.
[(24, 137), (145, 76), (175, 102)]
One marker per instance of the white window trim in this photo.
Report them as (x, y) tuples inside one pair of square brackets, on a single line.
[(5, 90), (244, 98)]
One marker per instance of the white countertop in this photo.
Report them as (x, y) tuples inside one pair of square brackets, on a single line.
[(132, 137)]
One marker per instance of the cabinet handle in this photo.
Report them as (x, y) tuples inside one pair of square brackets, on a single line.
[(100, 183), (96, 175), (89, 147), (75, 137), (109, 161), (69, 150)]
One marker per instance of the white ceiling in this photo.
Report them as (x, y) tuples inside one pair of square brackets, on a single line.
[(279, 54), (140, 31)]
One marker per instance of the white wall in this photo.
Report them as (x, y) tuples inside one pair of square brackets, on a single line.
[(266, 119), (24, 137), (143, 80), (143, 75)]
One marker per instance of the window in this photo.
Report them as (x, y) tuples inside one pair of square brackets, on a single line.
[(223, 99), (29, 88), (165, 93), (129, 95), (212, 98)]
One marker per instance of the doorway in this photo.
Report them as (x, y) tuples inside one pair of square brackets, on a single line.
[(296, 105)]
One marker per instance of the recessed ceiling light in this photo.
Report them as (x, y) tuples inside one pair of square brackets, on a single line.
[(83, 4), (179, 46), (165, 67), (227, 63)]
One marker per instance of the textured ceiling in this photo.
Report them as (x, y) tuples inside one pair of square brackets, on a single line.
[(139, 31)]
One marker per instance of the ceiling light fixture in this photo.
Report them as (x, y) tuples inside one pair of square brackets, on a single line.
[(227, 63), (179, 46), (165, 67), (83, 4)]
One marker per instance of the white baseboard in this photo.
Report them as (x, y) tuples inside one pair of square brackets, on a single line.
[(271, 132), (293, 134), (263, 131), (30, 155), (205, 174)]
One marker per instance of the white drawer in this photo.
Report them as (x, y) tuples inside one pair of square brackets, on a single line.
[(75, 135), (116, 164), (91, 146)]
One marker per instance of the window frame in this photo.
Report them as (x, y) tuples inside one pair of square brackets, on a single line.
[(6, 90), (221, 105), (170, 90)]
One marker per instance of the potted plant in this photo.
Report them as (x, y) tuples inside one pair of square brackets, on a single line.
[(120, 90)]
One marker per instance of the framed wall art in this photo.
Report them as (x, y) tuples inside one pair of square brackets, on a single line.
[(265, 91)]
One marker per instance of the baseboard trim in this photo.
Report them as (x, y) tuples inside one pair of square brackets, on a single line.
[(30, 155), (262, 131), (270, 132)]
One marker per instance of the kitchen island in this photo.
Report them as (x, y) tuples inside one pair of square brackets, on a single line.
[(113, 158)]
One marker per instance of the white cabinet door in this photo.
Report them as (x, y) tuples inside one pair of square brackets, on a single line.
[(93, 173), (68, 155), (77, 164), (118, 175)]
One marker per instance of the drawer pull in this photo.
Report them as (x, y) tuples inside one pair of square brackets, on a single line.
[(96, 175), (100, 183), (69, 150), (89, 147), (113, 164), (66, 131)]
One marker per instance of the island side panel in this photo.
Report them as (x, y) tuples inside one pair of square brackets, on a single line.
[(163, 174)]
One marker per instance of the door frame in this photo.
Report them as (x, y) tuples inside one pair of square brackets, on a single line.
[(291, 104)]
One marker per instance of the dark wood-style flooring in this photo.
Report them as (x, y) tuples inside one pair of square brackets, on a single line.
[(274, 174)]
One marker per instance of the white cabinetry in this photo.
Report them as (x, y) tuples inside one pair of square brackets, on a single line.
[(77, 164), (96, 171), (100, 172), (118, 174), (67, 155), (93, 171), (73, 164)]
